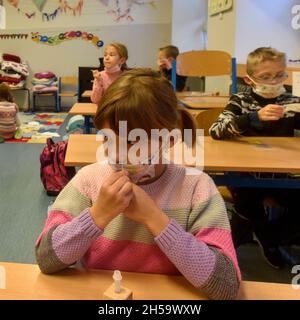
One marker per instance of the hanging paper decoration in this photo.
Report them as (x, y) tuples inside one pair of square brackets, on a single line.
[(51, 16), (122, 9), (39, 4), (74, 9), (14, 36), (71, 35), (15, 4)]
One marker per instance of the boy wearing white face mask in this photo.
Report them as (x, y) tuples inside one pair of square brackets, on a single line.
[(115, 56), (262, 113)]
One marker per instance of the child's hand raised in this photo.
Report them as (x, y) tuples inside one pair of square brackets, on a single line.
[(97, 76), (114, 197), (271, 112)]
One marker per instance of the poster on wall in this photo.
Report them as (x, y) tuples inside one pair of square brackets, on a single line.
[(2, 16)]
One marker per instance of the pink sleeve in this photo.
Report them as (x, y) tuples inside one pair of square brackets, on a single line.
[(97, 92)]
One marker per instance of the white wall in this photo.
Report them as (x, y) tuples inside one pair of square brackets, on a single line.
[(266, 23), (150, 29), (221, 33), (189, 24)]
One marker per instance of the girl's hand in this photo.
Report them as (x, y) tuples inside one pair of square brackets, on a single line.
[(114, 197), (97, 76), (143, 209), (271, 112)]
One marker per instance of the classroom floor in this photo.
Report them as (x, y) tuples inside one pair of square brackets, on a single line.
[(23, 210)]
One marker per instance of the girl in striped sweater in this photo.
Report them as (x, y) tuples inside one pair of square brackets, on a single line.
[(9, 121), (150, 217)]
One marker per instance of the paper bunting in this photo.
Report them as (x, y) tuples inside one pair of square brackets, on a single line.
[(14, 36), (51, 16), (122, 9), (39, 4), (71, 35), (15, 4), (74, 9)]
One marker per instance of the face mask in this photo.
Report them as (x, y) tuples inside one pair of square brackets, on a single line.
[(268, 90), (138, 172), (114, 69)]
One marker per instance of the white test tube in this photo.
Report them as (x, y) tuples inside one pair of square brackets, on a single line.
[(117, 279)]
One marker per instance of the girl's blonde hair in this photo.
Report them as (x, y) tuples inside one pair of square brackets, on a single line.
[(144, 99), (263, 54), (122, 52), (5, 93)]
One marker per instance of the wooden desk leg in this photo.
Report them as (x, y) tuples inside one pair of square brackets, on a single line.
[(86, 129)]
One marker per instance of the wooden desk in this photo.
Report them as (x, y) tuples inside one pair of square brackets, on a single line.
[(86, 110), (205, 102), (87, 93), (184, 94), (251, 154), (25, 281)]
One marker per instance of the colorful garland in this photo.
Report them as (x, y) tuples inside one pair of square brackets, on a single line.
[(71, 35), (14, 36)]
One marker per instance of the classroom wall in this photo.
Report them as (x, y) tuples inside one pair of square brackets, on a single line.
[(189, 30), (189, 24), (149, 30), (266, 23), (252, 24), (221, 35)]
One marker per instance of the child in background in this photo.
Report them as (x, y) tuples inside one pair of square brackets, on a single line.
[(150, 217), (115, 56), (9, 120), (166, 55), (262, 112)]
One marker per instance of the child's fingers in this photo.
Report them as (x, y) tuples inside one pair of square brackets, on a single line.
[(126, 189), (115, 176)]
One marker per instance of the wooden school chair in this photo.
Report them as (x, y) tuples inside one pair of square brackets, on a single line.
[(54, 94), (67, 88), (205, 63)]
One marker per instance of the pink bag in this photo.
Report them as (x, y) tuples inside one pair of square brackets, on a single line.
[(54, 174)]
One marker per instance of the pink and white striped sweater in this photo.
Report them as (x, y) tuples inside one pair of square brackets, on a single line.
[(9, 120), (197, 242)]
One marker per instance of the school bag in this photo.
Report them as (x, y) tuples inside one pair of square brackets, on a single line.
[(54, 174)]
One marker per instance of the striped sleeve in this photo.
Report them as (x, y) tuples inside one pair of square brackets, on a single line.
[(231, 122), (204, 253), (69, 229)]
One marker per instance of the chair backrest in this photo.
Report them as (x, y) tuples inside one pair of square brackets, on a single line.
[(205, 118), (204, 63), (72, 81), (68, 85)]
